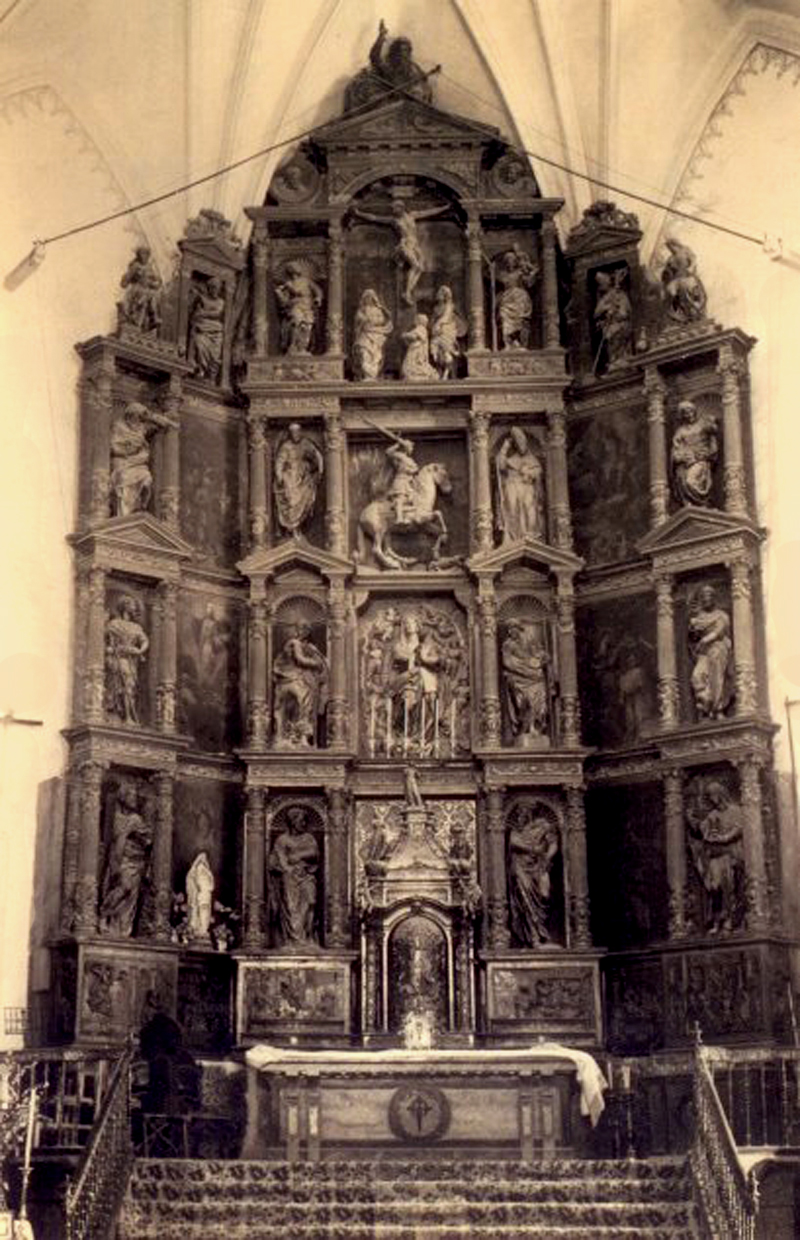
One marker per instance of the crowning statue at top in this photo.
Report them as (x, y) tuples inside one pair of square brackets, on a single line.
[(392, 73)]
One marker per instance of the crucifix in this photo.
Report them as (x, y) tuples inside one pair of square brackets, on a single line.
[(408, 251)]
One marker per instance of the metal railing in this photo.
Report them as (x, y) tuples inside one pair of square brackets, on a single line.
[(727, 1200), (95, 1194)]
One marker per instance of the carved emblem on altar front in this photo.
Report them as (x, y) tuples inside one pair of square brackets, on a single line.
[(419, 1113)]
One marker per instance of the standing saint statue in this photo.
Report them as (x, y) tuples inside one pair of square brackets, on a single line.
[(416, 363), (612, 317), (532, 845), (298, 469), (447, 328), (716, 829), (693, 454), (299, 298), (684, 290), (515, 274), (520, 488), (373, 325), (199, 897), (293, 863), (126, 864), (300, 680), (408, 251), (206, 319), (527, 694), (126, 646), (141, 305), (711, 650), (131, 476)]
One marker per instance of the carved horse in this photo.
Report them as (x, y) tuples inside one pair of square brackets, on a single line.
[(377, 520)]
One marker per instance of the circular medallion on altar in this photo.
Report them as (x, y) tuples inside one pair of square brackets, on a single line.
[(419, 1113)]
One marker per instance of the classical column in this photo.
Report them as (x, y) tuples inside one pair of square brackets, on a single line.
[(729, 369), (549, 285), (71, 856), (558, 492), (91, 782), (490, 691), (477, 322), (758, 912), (656, 389), (337, 701), (674, 817), (167, 653), (258, 510), (162, 854), (255, 861), (567, 663), (371, 1017), (170, 460), (336, 895), (578, 872), (335, 528), (94, 684), (260, 264), (481, 531), (334, 327), (744, 656), (668, 697), (98, 402), (497, 888), (257, 674), (80, 642)]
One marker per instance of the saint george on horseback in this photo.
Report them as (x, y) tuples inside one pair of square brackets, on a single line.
[(404, 501)]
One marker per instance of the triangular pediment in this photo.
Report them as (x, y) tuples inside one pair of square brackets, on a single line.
[(514, 556), (694, 525), (295, 555), (402, 120), (140, 532)]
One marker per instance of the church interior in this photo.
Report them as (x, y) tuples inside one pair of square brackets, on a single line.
[(397, 783)]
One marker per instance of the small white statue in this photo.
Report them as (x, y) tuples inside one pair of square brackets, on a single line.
[(200, 897)]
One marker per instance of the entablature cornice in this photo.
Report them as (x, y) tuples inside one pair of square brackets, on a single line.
[(723, 739), (388, 780), (140, 747), (282, 769), (160, 356), (613, 582), (692, 340), (542, 768)]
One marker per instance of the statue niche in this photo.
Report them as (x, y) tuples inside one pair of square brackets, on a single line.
[(126, 647), (711, 653), (300, 677), (527, 683), (534, 873), (298, 471), (612, 320), (519, 482), (417, 967), (299, 297), (130, 841), (715, 833), (694, 450), (131, 451), (294, 864)]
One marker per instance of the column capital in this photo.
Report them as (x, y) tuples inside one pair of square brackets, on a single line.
[(655, 389)]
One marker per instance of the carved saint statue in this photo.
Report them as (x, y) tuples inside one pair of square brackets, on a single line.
[(612, 317), (685, 292), (525, 683), (532, 845), (131, 477), (515, 273), (299, 298), (373, 325), (126, 646), (126, 864), (716, 824), (416, 363), (141, 305), (392, 73), (408, 251), (206, 318), (199, 897), (298, 469), (694, 451), (413, 795), (300, 678), (520, 488), (447, 328), (293, 863), (711, 650)]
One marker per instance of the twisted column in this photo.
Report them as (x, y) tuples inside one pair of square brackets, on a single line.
[(549, 285), (335, 527), (94, 685), (337, 702), (167, 654), (729, 369), (257, 674), (558, 489), (476, 315), (567, 663), (258, 511), (481, 531), (334, 327), (255, 862), (668, 695), (656, 390), (757, 889), (497, 884), (260, 265), (91, 781), (168, 496), (162, 854), (336, 895), (490, 692), (578, 871), (744, 655), (676, 851)]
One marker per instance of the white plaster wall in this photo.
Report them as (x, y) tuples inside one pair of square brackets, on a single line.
[(104, 103)]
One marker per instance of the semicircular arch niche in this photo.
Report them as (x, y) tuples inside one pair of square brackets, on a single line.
[(296, 869), (418, 971), (299, 674), (536, 873)]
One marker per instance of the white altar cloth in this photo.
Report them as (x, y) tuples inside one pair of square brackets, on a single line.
[(591, 1080)]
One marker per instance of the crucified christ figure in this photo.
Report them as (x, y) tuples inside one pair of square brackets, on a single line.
[(409, 250)]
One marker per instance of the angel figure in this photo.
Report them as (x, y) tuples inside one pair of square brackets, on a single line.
[(408, 251), (447, 328)]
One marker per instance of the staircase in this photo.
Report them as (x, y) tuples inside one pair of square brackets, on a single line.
[(430, 1198)]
